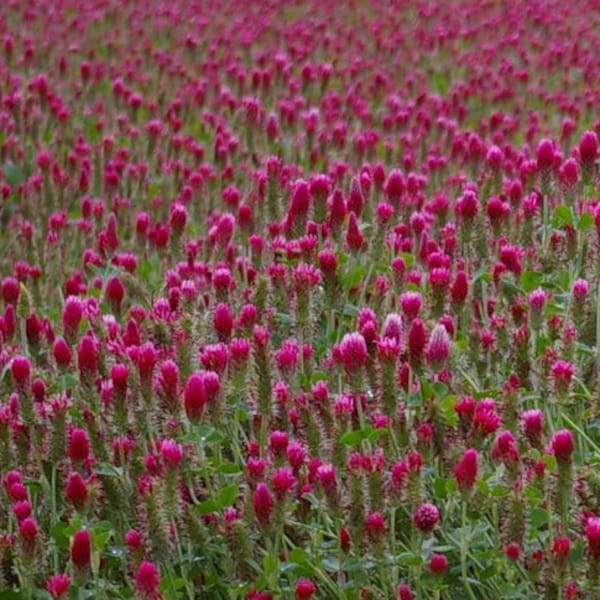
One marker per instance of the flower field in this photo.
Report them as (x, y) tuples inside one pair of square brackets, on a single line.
[(299, 299)]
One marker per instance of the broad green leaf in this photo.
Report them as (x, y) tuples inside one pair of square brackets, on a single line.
[(563, 215), (228, 495), (13, 174)]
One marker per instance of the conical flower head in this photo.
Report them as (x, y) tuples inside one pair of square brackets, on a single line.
[(465, 470), (353, 352), (438, 347), (262, 502), (195, 396)]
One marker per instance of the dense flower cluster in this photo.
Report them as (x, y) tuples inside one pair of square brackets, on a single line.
[(299, 299)]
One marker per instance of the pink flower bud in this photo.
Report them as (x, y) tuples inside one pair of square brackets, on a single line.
[(195, 397), (592, 533), (353, 352), (438, 564), (537, 300), (426, 517), (437, 350), (87, 357), (404, 592), (283, 481), (79, 445), (465, 470), (22, 509), (300, 200), (394, 186), (61, 352), (278, 442), (172, 453), (58, 586), (147, 581), (375, 525), (512, 551), (223, 321), (532, 422), (71, 316), (146, 360), (10, 290), (119, 375), (505, 448), (562, 446), (262, 502), (296, 454), (588, 147), (460, 288), (356, 198), (133, 539), (562, 372), (81, 549), (561, 546), (115, 293), (354, 238), (545, 155), (305, 589), (417, 339), (29, 531), (76, 490), (20, 370), (178, 217), (580, 289)]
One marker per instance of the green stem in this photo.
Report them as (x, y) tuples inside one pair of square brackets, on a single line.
[(464, 548)]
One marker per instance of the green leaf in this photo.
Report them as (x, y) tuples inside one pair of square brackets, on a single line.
[(108, 470), (409, 559), (482, 274), (207, 506), (427, 390), (332, 565), (550, 461), (440, 389), (283, 318), (99, 538), (451, 485), (408, 258), (563, 215), (59, 534), (228, 495), (483, 487), (228, 468), (375, 432), (440, 82), (354, 276), (299, 556), (11, 595), (487, 573), (585, 222), (447, 409), (33, 484), (270, 564), (500, 491), (67, 380), (538, 518), (170, 583), (530, 280), (439, 487), (349, 310), (352, 565), (13, 174), (351, 438), (205, 434), (242, 413)]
